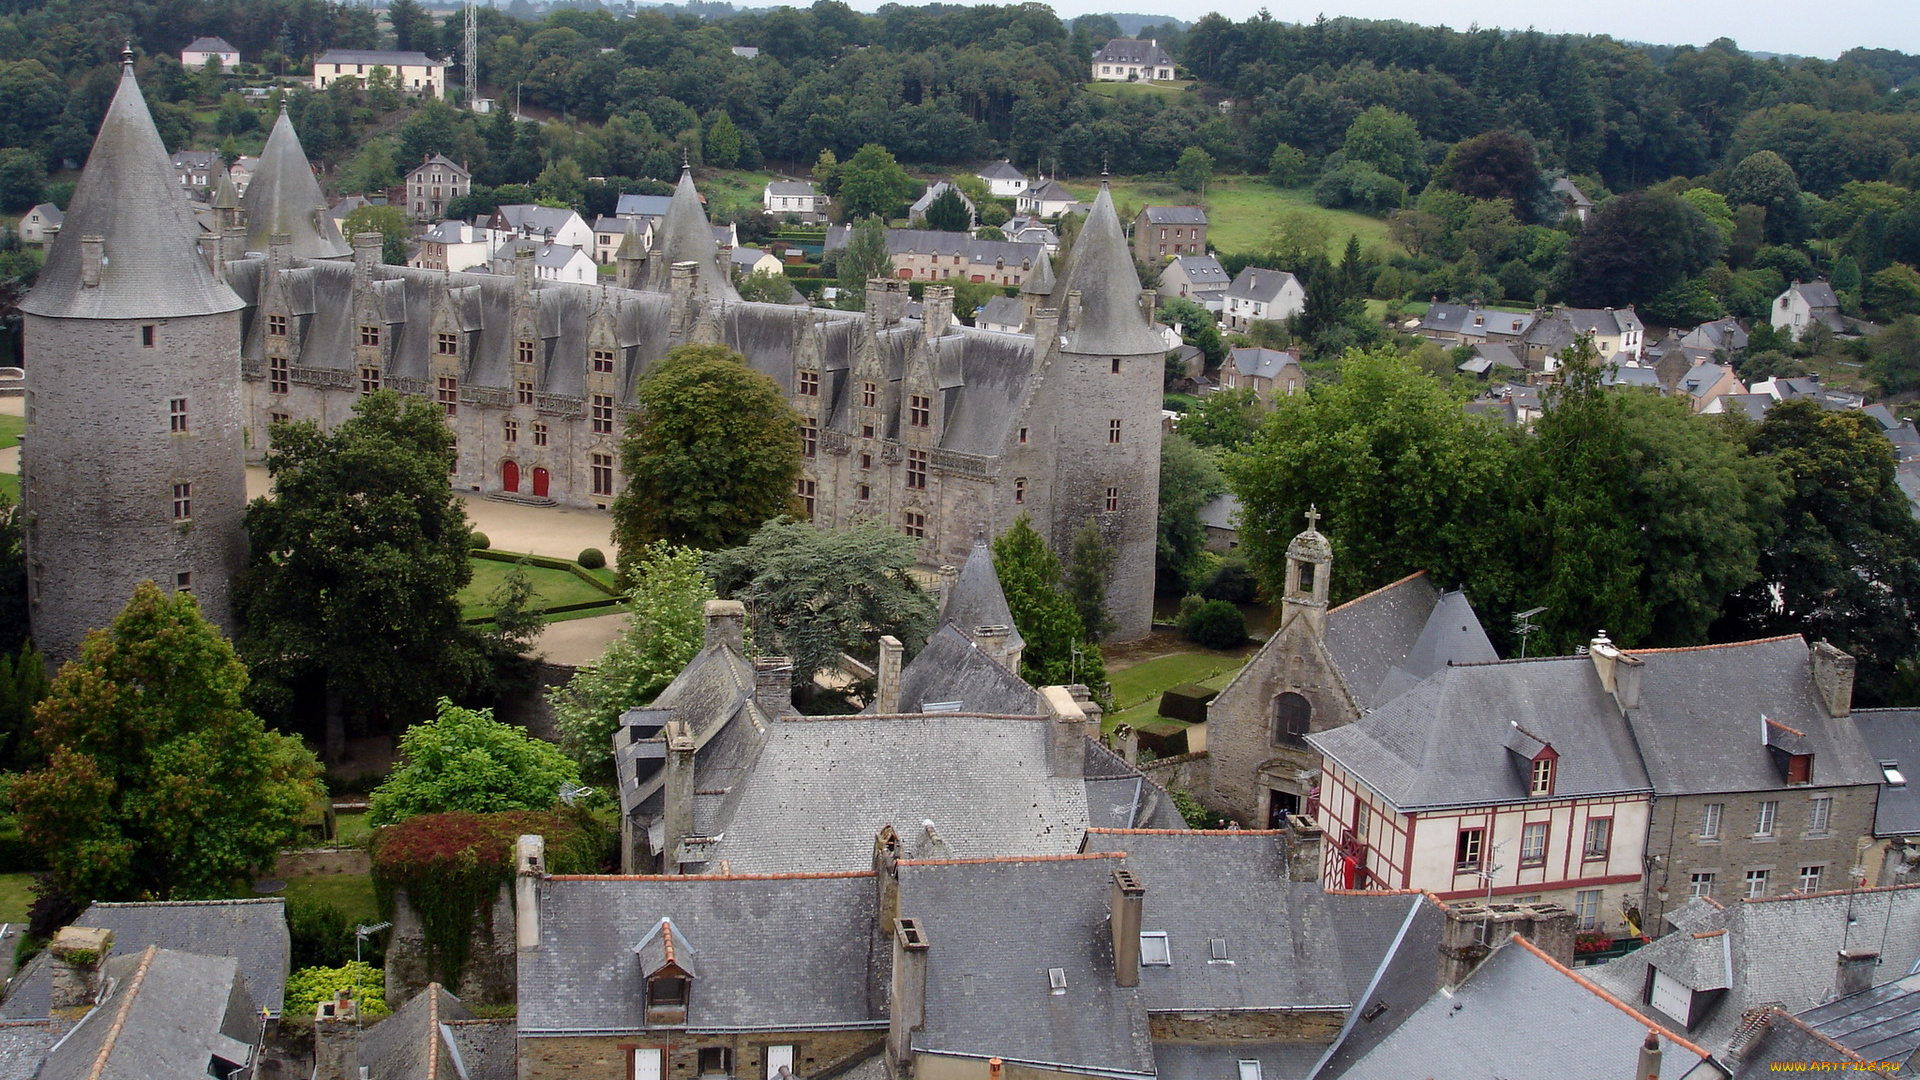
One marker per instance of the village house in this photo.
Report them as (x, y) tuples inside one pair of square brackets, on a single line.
[(1132, 60), (433, 184), (1705, 385), (610, 232), (1267, 372), (1199, 278), (1488, 358), (1047, 198), (529, 221), (1805, 303), (197, 169), (1573, 202), (1617, 335), (932, 255), (797, 199), (412, 72), (1893, 738), (453, 245), (1003, 180), (748, 261), (917, 213), (40, 224), (1163, 232), (1005, 314), (550, 261), (1257, 294), (195, 56), (1471, 324)]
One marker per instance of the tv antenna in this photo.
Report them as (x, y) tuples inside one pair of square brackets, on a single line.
[(1523, 625), (471, 42), (570, 791)]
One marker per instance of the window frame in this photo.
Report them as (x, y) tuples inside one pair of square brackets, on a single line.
[(1586, 908), (919, 410), (1469, 849), (279, 375), (1818, 870), (914, 523), (1536, 855), (1601, 852), (540, 434), (446, 344), (276, 326), (1287, 718), (183, 501), (600, 468), (601, 361), (1710, 820), (1113, 432), (369, 335), (446, 391), (809, 383), (1767, 819), (1700, 884), (510, 429), (177, 416), (1148, 957), (1820, 815), (369, 381), (917, 464), (1540, 778), (1757, 878), (600, 410)]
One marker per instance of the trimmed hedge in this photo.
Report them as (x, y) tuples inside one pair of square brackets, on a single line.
[(592, 559), (479, 540)]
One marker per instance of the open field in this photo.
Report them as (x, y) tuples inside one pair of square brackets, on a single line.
[(1242, 210)]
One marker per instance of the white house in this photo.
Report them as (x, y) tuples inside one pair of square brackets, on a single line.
[(1046, 198), (551, 262), (527, 221), (1806, 303), (1132, 60), (195, 56), (797, 197), (610, 232), (1003, 313), (453, 245), (1199, 278), (417, 72), (1263, 294), (748, 261), (1003, 180), (40, 224)]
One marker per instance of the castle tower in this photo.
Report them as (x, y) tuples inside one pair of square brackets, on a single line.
[(686, 236), (1309, 568), (1037, 291), (1105, 386), (284, 198), (977, 607), (131, 467)]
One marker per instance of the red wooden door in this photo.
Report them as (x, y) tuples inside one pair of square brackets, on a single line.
[(539, 482), (510, 477)]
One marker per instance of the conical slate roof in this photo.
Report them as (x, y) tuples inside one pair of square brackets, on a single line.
[(1101, 269), (977, 600), (630, 246), (225, 196), (284, 197), (687, 236), (151, 265), (1040, 282)]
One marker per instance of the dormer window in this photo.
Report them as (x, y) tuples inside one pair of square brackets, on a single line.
[(667, 991), (1540, 784), (1791, 750), (666, 967)]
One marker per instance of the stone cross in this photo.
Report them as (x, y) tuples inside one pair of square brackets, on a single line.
[(1313, 518)]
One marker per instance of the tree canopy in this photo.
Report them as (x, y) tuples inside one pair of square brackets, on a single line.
[(464, 759), (1639, 246), (159, 782), (1059, 651), (711, 454), (873, 183)]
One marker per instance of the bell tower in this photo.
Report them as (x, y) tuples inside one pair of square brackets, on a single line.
[(1309, 566)]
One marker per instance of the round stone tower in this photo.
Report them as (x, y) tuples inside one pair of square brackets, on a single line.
[(131, 465)]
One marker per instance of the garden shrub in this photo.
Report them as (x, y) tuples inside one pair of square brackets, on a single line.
[(592, 559), (1232, 581), (1216, 625), (479, 541), (322, 935), (308, 987)]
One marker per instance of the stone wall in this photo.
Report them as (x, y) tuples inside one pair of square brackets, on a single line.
[(491, 976), (1675, 838)]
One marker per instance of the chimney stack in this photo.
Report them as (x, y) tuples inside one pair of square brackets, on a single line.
[(79, 960), (1069, 725), (92, 258), (886, 698), (1082, 697), (936, 310), (1149, 302), (1304, 843), (1601, 651), (682, 276), (907, 1008), (1833, 677), (949, 575), (1072, 321), (1855, 972), (773, 685), (677, 794), (726, 624), (1649, 1059), (336, 1038), (366, 253), (1627, 670), (1124, 903), (1126, 743), (530, 865), (1473, 931), (886, 906)]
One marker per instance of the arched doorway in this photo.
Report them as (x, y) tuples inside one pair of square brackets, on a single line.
[(510, 477), (539, 482)]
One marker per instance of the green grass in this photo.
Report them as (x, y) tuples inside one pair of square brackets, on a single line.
[(1121, 91), (10, 486), (550, 587), (1242, 211), (16, 895), (351, 830), (1137, 689), (10, 428), (351, 893)]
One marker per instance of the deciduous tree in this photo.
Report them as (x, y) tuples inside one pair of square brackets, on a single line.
[(464, 759), (1189, 479), (864, 259), (711, 455), (160, 783), (1638, 246), (1495, 165), (1058, 648), (873, 183)]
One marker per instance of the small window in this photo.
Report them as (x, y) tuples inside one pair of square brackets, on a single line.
[(807, 490), (869, 395), (1466, 849), (1113, 500), (1023, 435), (1154, 950), (865, 493), (1217, 950), (603, 361), (278, 372), (809, 437), (523, 352), (866, 460), (177, 415), (1249, 1069), (1700, 885), (1293, 716), (713, 1061), (1599, 839), (602, 465), (1756, 883), (446, 344), (369, 380), (1891, 774), (1810, 878), (667, 991), (1763, 822), (810, 384), (866, 431), (510, 430), (1710, 821), (1113, 431), (146, 336), (1586, 909), (1116, 365), (602, 414), (523, 392), (914, 524), (182, 502), (1019, 489), (370, 336), (1306, 577), (183, 581), (447, 391), (276, 326), (917, 469), (539, 434), (1533, 844), (920, 411), (1542, 779), (1819, 814)]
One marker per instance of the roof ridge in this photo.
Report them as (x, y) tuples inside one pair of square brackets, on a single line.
[(188, 903), (1185, 832), (1832, 1043), (1607, 997), (1861, 891), (120, 1017), (1716, 645), (794, 876), (1076, 857), (797, 718), (1376, 592), (1509, 660)]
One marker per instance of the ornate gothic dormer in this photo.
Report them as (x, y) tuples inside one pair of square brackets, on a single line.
[(1309, 566)]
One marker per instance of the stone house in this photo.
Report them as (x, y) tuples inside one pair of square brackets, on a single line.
[(1618, 335), (1003, 313), (1893, 738), (1320, 670), (198, 170), (611, 232), (413, 72), (433, 184), (1470, 324), (1199, 278), (1272, 295), (195, 56), (1163, 232), (40, 224), (1003, 180), (527, 221), (1805, 303), (551, 262), (1573, 202), (1132, 60), (798, 198), (1706, 383), (934, 255), (748, 261), (1269, 373)]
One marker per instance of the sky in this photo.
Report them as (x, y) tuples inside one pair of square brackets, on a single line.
[(1825, 28)]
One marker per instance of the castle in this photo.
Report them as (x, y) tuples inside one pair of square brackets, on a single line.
[(938, 429)]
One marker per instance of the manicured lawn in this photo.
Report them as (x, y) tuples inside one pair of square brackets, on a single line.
[(16, 894), (10, 428), (351, 830), (550, 587), (351, 893), (1137, 689), (1242, 210), (1121, 91)]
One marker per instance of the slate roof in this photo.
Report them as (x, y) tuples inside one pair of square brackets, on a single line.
[(642, 206), (1174, 215), (128, 196), (49, 213), (210, 44), (1782, 951), (685, 235), (443, 161), (1002, 311), (1040, 281), (387, 57), (1220, 512), (1005, 924), (713, 689), (952, 668), (1258, 284), (780, 952), (940, 242), (976, 598), (1698, 723), (1101, 269), (1571, 192), (1500, 356), (1443, 742), (1631, 375), (1893, 735), (1605, 322), (24, 1045), (434, 1035), (1816, 294), (1001, 170), (283, 196), (1204, 272), (1046, 190), (1881, 1024), (791, 187), (820, 787), (1370, 636), (933, 192), (1754, 405), (1720, 334), (531, 219), (1258, 363), (1700, 380), (1783, 1037), (1132, 51), (1520, 1016), (166, 1016), (1459, 319)]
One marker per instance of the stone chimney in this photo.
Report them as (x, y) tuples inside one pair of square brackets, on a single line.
[(995, 641), (682, 277), (907, 1004), (1126, 742), (1149, 301), (1649, 1059), (1123, 919), (92, 258), (676, 794), (530, 865), (1069, 725), (336, 1038), (1304, 842), (773, 685), (936, 311), (1601, 651), (1626, 681), (366, 254), (79, 961), (1082, 697), (886, 906), (886, 301), (1855, 973), (1474, 930), (1072, 320), (1833, 677), (726, 624), (886, 698), (948, 575), (1046, 330)]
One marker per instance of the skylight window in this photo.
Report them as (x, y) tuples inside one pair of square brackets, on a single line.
[(1249, 1069), (1218, 946), (1890, 772), (1154, 950), (1057, 980)]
